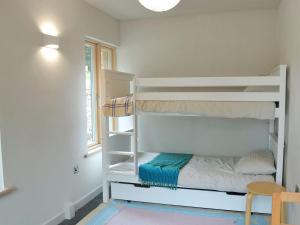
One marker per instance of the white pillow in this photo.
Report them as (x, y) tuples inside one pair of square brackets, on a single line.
[(258, 162)]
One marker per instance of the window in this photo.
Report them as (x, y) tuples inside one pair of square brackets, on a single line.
[(91, 94), (107, 58), (3, 190), (97, 58)]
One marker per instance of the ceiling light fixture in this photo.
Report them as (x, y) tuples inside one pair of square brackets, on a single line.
[(159, 5)]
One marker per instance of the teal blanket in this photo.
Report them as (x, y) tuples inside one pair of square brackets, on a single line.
[(163, 170)]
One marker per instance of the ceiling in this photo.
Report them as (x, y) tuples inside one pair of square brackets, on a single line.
[(131, 9)]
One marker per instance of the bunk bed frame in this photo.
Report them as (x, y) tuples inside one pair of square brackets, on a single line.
[(125, 185)]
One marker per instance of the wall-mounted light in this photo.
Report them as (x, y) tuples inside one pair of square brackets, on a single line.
[(51, 41)]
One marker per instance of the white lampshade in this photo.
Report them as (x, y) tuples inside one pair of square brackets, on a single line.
[(159, 5)]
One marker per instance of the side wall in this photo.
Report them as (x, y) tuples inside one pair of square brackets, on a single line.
[(289, 18), (209, 44), (42, 107)]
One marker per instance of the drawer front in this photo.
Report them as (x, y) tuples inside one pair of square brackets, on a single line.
[(188, 197)]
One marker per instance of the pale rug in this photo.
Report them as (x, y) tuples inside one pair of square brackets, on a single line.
[(124, 213)]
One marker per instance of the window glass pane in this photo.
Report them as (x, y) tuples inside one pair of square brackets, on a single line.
[(90, 83), (106, 58)]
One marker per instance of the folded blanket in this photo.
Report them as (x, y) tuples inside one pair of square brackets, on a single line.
[(118, 107), (163, 170)]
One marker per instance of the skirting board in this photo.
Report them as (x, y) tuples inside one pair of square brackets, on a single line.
[(189, 197), (78, 204)]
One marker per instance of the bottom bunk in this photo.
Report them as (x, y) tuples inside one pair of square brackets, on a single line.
[(210, 173), (207, 182)]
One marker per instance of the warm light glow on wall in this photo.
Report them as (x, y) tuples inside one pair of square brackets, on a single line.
[(50, 54), (49, 29)]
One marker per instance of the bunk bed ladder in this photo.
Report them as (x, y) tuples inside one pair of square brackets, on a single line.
[(132, 133), (112, 169), (109, 168)]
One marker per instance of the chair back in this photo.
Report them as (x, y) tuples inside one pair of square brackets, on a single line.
[(278, 205)]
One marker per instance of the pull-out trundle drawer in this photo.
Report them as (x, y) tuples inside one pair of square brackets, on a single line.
[(188, 197)]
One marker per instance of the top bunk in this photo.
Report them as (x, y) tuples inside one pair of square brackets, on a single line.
[(257, 96)]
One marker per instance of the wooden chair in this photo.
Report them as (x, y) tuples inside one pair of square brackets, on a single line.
[(278, 205)]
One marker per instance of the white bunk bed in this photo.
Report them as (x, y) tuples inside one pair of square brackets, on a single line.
[(120, 180)]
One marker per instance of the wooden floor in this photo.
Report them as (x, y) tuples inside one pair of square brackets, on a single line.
[(84, 211)]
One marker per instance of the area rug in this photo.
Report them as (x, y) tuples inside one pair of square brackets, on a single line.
[(134, 213)]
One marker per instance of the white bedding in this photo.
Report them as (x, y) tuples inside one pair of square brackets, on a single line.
[(212, 173), (256, 110)]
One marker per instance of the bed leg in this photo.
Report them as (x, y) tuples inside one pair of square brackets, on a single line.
[(105, 191)]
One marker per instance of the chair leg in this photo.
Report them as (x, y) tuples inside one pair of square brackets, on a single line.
[(283, 207), (248, 209)]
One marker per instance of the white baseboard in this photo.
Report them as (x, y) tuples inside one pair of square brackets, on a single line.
[(87, 198), (78, 204), (56, 219)]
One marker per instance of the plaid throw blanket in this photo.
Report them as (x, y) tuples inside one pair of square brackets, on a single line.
[(118, 107)]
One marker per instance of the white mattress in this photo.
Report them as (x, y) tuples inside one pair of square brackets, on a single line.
[(256, 110), (212, 173)]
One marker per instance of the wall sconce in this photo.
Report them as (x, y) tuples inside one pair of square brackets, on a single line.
[(51, 41)]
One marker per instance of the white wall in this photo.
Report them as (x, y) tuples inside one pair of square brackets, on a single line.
[(42, 107), (289, 18), (202, 135), (209, 44), (243, 42)]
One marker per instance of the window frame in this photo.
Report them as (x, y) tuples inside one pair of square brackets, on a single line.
[(3, 189), (94, 95), (1, 166), (96, 147)]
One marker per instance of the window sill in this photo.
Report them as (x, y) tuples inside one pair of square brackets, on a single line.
[(93, 150), (6, 191)]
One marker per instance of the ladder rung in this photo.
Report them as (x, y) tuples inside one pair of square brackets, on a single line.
[(122, 133), (121, 153), (122, 166), (122, 172)]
